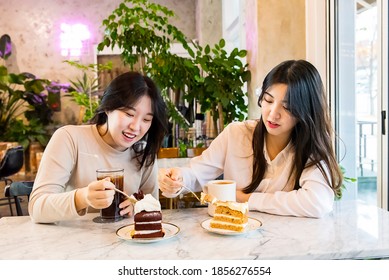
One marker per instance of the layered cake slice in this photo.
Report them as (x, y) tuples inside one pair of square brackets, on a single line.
[(147, 217), (230, 215)]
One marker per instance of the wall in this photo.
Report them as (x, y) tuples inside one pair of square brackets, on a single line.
[(252, 46), (275, 31), (34, 27), (209, 21)]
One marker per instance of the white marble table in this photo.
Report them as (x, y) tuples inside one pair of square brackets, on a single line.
[(353, 230)]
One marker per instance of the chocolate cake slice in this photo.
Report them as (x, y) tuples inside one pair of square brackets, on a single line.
[(147, 218)]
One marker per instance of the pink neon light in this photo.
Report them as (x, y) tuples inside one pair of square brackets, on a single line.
[(72, 37)]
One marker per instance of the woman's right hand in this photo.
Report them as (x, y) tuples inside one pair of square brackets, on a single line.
[(170, 180), (98, 194)]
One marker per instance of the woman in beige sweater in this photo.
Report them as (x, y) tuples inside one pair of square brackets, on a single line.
[(125, 132)]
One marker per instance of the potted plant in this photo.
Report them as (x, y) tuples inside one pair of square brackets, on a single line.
[(189, 150), (27, 104), (25, 112), (209, 76), (144, 35), (85, 90), (220, 89)]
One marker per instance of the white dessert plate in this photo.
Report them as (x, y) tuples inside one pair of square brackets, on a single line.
[(252, 224), (125, 232)]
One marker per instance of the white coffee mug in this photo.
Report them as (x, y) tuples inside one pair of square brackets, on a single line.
[(224, 190)]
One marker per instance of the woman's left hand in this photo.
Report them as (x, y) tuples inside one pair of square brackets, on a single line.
[(242, 197), (127, 208)]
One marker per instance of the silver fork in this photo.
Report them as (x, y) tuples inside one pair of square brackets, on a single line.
[(133, 200), (189, 190), (168, 195)]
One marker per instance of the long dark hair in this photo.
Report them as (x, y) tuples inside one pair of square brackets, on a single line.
[(124, 92), (312, 135)]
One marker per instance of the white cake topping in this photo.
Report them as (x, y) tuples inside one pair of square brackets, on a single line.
[(148, 204), (242, 207)]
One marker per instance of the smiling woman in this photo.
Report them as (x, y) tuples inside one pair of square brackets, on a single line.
[(125, 132), (128, 125)]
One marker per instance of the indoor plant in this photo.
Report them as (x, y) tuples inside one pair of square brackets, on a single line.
[(144, 35), (221, 88), (25, 112), (209, 76), (85, 90), (27, 104)]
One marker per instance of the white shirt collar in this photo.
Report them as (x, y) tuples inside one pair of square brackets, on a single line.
[(283, 155)]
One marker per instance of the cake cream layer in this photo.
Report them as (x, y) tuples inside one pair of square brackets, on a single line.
[(151, 222), (229, 219), (146, 231)]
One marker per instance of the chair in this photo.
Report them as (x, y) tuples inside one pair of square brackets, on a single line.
[(168, 153), (17, 189), (11, 164)]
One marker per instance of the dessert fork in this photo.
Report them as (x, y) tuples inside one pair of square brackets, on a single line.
[(168, 195), (130, 198), (189, 190)]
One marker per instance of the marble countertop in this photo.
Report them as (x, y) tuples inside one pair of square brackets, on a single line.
[(352, 231)]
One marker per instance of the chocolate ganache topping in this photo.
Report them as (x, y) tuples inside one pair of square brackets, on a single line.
[(139, 195)]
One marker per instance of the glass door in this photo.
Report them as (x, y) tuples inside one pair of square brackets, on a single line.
[(359, 96)]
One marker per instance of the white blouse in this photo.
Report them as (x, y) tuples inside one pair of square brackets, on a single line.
[(231, 154)]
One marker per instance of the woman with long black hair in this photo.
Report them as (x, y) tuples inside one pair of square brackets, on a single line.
[(284, 163)]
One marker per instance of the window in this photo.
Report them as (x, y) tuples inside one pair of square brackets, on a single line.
[(357, 67)]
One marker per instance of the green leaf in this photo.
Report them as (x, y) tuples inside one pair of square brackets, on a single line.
[(207, 49), (242, 53), (222, 43)]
